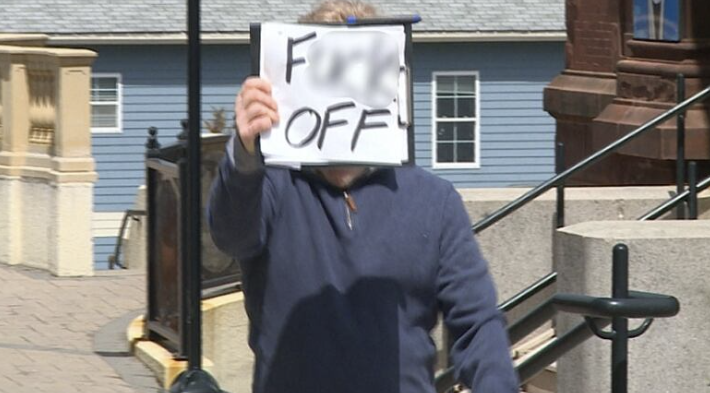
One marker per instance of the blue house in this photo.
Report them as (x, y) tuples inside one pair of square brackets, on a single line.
[(480, 69)]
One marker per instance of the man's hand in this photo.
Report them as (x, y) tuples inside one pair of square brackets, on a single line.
[(256, 110)]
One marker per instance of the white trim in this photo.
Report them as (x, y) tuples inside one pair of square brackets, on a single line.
[(243, 38), (119, 104), (489, 37), (476, 164)]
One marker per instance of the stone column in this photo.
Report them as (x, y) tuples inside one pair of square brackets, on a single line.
[(588, 83), (46, 168), (71, 251), (614, 83), (647, 86), (14, 120)]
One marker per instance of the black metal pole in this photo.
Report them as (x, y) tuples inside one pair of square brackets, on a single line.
[(680, 149), (194, 379), (152, 150), (193, 169), (620, 325), (559, 168), (185, 264), (193, 179), (693, 190)]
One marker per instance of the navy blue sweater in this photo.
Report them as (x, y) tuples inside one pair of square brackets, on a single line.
[(342, 296)]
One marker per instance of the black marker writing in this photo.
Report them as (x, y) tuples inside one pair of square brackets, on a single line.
[(290, 61), (364, 125), (314, 130), (328, 123)]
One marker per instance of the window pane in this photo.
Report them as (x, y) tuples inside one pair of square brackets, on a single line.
[(445, 107), (464, 131), (466, 85), (445, 131), (465, 152), (466, 107), (104, 95), (104, 116), (445, 85), (104, 83), (444, 152)]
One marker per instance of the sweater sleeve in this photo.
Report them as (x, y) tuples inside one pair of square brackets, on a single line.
[(480, 351), (241, 202)]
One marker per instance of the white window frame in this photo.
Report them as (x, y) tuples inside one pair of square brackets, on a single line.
[(476, 164), (119, 103)]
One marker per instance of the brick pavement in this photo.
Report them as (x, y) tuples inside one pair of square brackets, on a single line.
[(68, 334)]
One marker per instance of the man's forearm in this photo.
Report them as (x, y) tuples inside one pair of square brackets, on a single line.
[(236, 202)]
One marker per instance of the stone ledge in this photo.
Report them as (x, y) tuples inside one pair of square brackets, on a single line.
[(667, 229), (48, 175), (38, 40)]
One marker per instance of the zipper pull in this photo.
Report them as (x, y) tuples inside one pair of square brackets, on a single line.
[(350, 202), (350, 208)]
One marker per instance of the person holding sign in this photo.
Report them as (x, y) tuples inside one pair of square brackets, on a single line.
[(346, 268)]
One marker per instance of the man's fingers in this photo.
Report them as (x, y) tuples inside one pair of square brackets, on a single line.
[(258, 110), (255, 96), (254, 82), (255, 109), (259, 125)]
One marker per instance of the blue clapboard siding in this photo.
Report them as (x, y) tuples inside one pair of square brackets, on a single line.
[(103, 247), (154, 94), (516, 134)]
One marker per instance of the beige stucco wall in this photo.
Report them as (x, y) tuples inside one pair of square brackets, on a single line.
[(51, 229), (10, 236), (225, 329)]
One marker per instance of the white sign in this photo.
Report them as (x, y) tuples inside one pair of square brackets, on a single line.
[(341, 92)]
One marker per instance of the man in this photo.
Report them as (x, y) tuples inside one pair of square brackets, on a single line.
[(346, 268)]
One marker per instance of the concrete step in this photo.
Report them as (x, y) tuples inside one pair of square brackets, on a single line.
[(546, 381)]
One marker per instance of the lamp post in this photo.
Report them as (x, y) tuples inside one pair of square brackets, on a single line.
[(194, 379)]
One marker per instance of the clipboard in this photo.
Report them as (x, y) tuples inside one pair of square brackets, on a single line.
[(406, 22)]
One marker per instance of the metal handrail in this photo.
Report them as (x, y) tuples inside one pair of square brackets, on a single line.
[(531, 321), (552, 351), (580, 333), (115, 258), (558, 179), (528, 292), (668, 205)]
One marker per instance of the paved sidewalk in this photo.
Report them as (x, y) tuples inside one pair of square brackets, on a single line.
[(68, 334)]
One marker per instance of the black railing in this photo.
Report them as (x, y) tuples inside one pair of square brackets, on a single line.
[(691, 195), (115, 258), (560, 178), (598, 313), (680, 145), (622, 306), (164, 322), (528, 292), (167, 263), (543, 312)]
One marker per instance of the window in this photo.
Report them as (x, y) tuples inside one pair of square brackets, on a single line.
[(105, 103), (455, 120)]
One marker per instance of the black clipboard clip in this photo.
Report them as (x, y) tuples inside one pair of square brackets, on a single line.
[(384, 20)]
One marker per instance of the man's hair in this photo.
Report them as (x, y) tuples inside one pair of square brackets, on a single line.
[(338, 11)]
